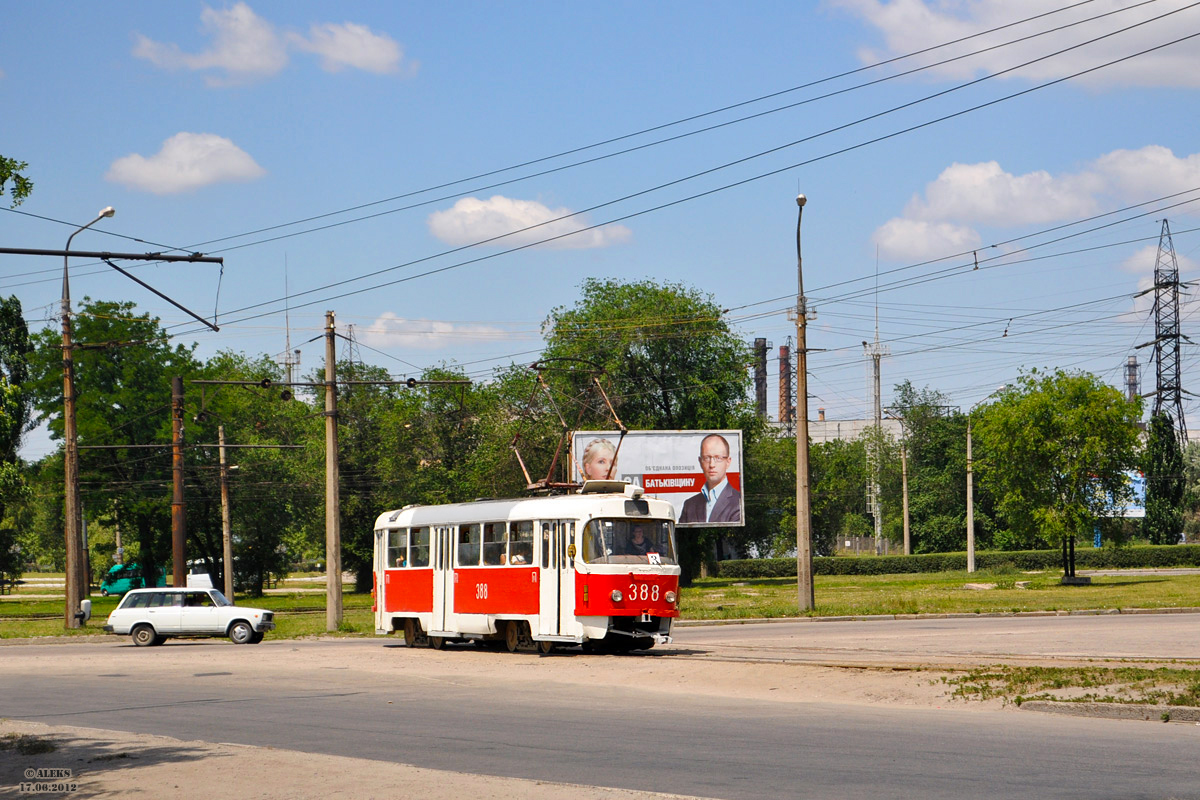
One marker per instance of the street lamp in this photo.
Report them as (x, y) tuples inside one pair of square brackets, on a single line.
[(970, 484), (76, 579), (803, 514)]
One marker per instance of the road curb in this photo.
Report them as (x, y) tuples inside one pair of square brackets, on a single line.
[(1185, 714)]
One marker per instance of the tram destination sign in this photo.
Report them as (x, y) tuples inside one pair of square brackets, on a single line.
[(697, 472)]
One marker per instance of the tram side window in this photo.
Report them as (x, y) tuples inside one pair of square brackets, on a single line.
[(520, 545), (468, 545), (397, 551), (495, 543), (418, 550), (546, 528)]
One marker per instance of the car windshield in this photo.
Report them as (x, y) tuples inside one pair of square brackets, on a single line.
[(221, 599), (629, 541)]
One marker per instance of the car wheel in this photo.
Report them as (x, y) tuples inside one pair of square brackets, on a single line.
[(240, 632), (257, 637), (104, 592), (144, 636)]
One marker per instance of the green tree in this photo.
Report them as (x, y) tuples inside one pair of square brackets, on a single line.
[(124, 363), (670, 362), (1164, 482), (838, 470), (14, 420), (935, 435), (1053, 449), (11, 169), (272, 491)]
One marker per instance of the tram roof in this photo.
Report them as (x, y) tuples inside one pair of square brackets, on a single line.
[(602, 503)]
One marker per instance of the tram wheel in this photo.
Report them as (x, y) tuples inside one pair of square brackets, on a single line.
[(437, 642), (411, 632), (546, 648), (512, 636)]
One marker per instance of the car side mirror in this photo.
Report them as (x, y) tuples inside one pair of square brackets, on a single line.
[(85, 611)]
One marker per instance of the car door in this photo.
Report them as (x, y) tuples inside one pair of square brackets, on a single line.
[(199, 614), (163, 611)]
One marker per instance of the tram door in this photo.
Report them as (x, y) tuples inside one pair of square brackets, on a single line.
[(443, 578), (556, 581)]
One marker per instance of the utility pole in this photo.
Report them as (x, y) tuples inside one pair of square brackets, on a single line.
[(804, 576), (178, 515), (75, 582), (904, 485), (333, 532), (226, 528)]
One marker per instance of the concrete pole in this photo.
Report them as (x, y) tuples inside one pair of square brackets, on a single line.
[(226, 528), (904, 483), (178, 509), (804, 576), (72, 534), (970, 504), (333, 532)]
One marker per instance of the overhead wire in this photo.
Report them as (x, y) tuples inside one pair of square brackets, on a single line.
[(726, 165)]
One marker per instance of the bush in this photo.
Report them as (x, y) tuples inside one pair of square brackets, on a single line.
[(1021, 560)]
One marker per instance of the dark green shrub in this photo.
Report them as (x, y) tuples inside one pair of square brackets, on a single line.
[(1147, 557)]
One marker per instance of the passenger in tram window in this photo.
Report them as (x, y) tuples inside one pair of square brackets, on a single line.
[(518, 558), (638, 545), (400, 562), (600, 461)]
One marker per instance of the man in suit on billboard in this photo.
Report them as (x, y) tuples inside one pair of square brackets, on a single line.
[(717, 501)]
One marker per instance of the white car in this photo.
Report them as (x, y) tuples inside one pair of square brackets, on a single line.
[(153, 615)]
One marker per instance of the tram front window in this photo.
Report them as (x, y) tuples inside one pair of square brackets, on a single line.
[(628, 541)]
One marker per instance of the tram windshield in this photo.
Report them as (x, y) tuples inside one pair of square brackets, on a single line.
[(629, 541)]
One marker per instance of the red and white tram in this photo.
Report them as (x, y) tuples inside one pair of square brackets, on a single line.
[(596, 568)]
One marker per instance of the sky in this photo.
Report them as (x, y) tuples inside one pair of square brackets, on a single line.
[(986, 181)]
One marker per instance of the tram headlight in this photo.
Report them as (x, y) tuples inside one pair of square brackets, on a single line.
[(669, 597), (617, 596)]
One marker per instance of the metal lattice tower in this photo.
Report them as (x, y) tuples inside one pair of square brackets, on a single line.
[(1168, 395)]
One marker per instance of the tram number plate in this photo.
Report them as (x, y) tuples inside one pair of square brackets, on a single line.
[(644, 592)]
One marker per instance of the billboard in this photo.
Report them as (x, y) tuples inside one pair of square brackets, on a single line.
[(1135, 506), (697, 472)]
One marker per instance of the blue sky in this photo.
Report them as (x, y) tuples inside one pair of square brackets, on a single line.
[(204, 125)]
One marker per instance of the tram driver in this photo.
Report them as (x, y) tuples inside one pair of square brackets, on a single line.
[(638, 545)]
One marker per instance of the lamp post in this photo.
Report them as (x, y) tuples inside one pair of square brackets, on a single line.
[(971, 486), (803, 513), (76, 581)]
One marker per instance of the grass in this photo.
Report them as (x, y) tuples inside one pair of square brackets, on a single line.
[(1126, 685), (26, 745), (303, 615), (934, 593)]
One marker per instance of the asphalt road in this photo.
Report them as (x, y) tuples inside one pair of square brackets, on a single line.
[(957, 640), (549, 728)]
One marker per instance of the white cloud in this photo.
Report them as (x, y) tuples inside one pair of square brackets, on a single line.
[(1144, 260), (918, 240), (472, 220), (350, 45), (390, 330), (911, 25), (939, 222), (186, 161), (987, 194), (246, 47)]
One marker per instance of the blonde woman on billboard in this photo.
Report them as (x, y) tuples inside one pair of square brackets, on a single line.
[(600, 461)]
